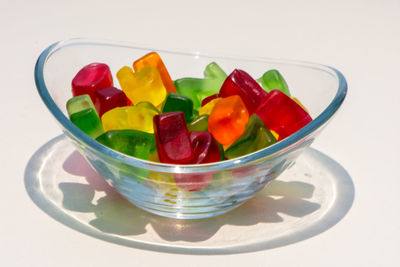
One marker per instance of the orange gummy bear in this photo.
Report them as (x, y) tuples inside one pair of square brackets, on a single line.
[(154, 59), (228, 119)]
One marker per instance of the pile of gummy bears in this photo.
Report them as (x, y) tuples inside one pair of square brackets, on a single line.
[(186, 121)]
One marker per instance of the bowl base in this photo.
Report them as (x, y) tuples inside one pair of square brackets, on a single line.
[(212, 212)]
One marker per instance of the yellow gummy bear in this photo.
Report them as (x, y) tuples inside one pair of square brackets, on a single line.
[(139, 117), (207, 108), (143, 85), (116, 118)]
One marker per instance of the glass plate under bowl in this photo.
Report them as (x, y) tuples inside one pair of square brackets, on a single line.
[(307, 199), (150, 185)]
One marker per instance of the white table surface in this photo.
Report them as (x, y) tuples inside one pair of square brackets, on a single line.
[(360, 38)]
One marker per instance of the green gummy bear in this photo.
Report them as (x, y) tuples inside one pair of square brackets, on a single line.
[(271, 80), (83, 114), (199, 88), (175, 102), (213, 70), (200, 124), (79, 103), (255, 137), (131, 142), (88, 121)]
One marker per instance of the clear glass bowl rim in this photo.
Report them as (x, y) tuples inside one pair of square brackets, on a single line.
[(314, 125)]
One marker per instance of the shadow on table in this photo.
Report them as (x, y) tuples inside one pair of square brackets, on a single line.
[(115, 217)]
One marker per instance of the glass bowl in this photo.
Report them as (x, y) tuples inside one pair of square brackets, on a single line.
[(165, 189)]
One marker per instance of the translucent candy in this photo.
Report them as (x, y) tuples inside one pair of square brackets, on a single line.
[(139, 117), (242, 84), (228, 119), (79, 103), (282, 114), (273, 80), (143, 85), (91, 78), (172, 138), (199, 88), (205, 148), (154, 59), (83, 114), (176, 102), (131, 142), (109, 98), (255, 137)]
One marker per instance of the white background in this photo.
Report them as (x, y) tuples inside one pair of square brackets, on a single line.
[(360, 38)]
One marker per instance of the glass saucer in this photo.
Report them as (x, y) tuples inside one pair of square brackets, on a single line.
[(306, 200)]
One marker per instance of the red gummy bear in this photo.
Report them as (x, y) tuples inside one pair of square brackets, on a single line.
[(205, 147), (282, 114), (91, 78), (205, 150), (172, 138), (109, 98), (242, 84)]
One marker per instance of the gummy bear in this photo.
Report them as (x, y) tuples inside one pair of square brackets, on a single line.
[(255, 137), (172, 138), (241, 83), (282, 114), (131, 142), (197, 88), (83, 114), (176, 102), (154, 59), (143, 85), (205, 148), (109, 98), (139, 117), (228, 119), (273, 79), (91, 78)]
